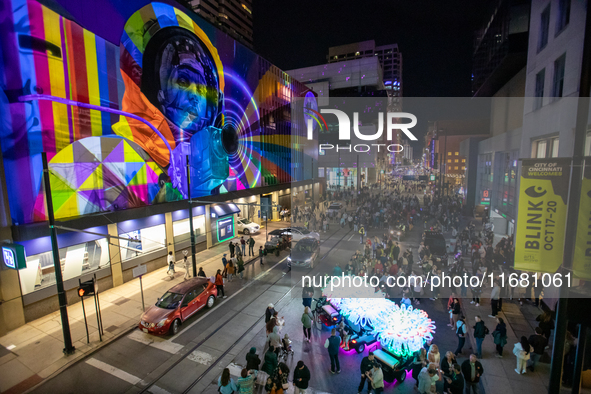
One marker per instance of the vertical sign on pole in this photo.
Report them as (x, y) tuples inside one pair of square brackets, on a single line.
[(541, 221)]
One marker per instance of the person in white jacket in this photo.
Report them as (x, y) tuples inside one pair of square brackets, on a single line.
[(522, 351)]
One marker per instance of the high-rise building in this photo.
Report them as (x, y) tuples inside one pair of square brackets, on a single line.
[(231, 16), (389, 57)]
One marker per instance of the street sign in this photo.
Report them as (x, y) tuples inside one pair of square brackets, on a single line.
[(14, 256), (432, 177), (140, 270)]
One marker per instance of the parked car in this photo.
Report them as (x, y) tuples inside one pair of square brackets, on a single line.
[(278, 241), (304, 254), (298, 233), (247, 227), (177, 305)]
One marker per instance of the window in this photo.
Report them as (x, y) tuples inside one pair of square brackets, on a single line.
[(142, 241), (544, 27), (457, 153), (449, 153), (449, 160), (456, 161), (181, 228), (75, 260), (554, 147), (558, 76), (463, 160), (563, 15), (463, 168), (539, 94), (456, 167), (540, 150)]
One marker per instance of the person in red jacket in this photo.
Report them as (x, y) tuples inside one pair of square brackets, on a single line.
[(219, 283)]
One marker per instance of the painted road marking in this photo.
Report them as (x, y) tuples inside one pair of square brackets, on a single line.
[(157, 390), (155, 342), (129, 378), (201, 357)]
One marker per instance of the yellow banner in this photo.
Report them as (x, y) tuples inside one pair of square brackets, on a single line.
[(541, 219), (582, 257)]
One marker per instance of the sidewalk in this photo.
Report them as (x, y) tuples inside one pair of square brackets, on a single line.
[(499, 373), (33, 352)]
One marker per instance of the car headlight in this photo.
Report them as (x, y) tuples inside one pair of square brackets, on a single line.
[(288, 258), (162, 322), (308, 261)]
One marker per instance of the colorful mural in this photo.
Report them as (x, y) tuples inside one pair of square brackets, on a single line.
[(120, 123)]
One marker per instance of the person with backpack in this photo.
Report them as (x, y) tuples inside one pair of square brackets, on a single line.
[(461, 332), (253, 360), (480, 331), (333, 344), (500, 336), (225, 263)]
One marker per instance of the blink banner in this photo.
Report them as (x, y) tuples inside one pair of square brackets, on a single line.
[(543, 196), (582, 257)]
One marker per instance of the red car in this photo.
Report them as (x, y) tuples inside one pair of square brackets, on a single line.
[(177, 305)]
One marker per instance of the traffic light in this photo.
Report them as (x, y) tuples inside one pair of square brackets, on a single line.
[(86, 288)]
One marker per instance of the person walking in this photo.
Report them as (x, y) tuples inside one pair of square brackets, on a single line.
[(270, 363), (240, 267), (461, 332), (301, 377), (243, 245), (333, 344), (245, 383), (307, 324), (480, 332), (455, 309), (494, 299), (219, 284), (251, 246), (261, 254), (377, 379), (226, 384), (366, 366), (187, 267), (171, 263), (252, 359), (232, 248), (361, 233), (500, 336), (538, 341), (472, 371), (522, 350), (269, 312)]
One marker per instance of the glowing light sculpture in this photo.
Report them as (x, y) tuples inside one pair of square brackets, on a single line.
[(403, 331)]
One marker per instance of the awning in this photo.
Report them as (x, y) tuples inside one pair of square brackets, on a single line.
[(224, 209)]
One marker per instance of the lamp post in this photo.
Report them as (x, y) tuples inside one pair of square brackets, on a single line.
[(61, 294), (191, 219)]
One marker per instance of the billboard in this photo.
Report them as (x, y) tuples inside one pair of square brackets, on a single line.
[(119, 121), (541, 221), (582, 255)]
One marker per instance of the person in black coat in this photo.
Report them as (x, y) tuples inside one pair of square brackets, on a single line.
[(252, 359), (366, 366), (269, 312), (472, 379), (301, 376), (455, 383)]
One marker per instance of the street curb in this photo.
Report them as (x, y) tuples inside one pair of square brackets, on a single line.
[(81, 357)]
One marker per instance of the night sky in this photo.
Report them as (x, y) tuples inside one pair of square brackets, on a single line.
[(434, 37)]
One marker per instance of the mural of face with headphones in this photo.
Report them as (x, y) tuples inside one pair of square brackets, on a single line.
[(182, 81)]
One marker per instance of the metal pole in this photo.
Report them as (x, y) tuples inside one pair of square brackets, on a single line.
[(191, 219), (573, 209), (142, 292), (581, 344), (97, 318), (98, 301), (61, 294)]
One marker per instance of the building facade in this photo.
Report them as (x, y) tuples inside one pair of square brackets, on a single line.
[(233, 17), (120, 112)]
